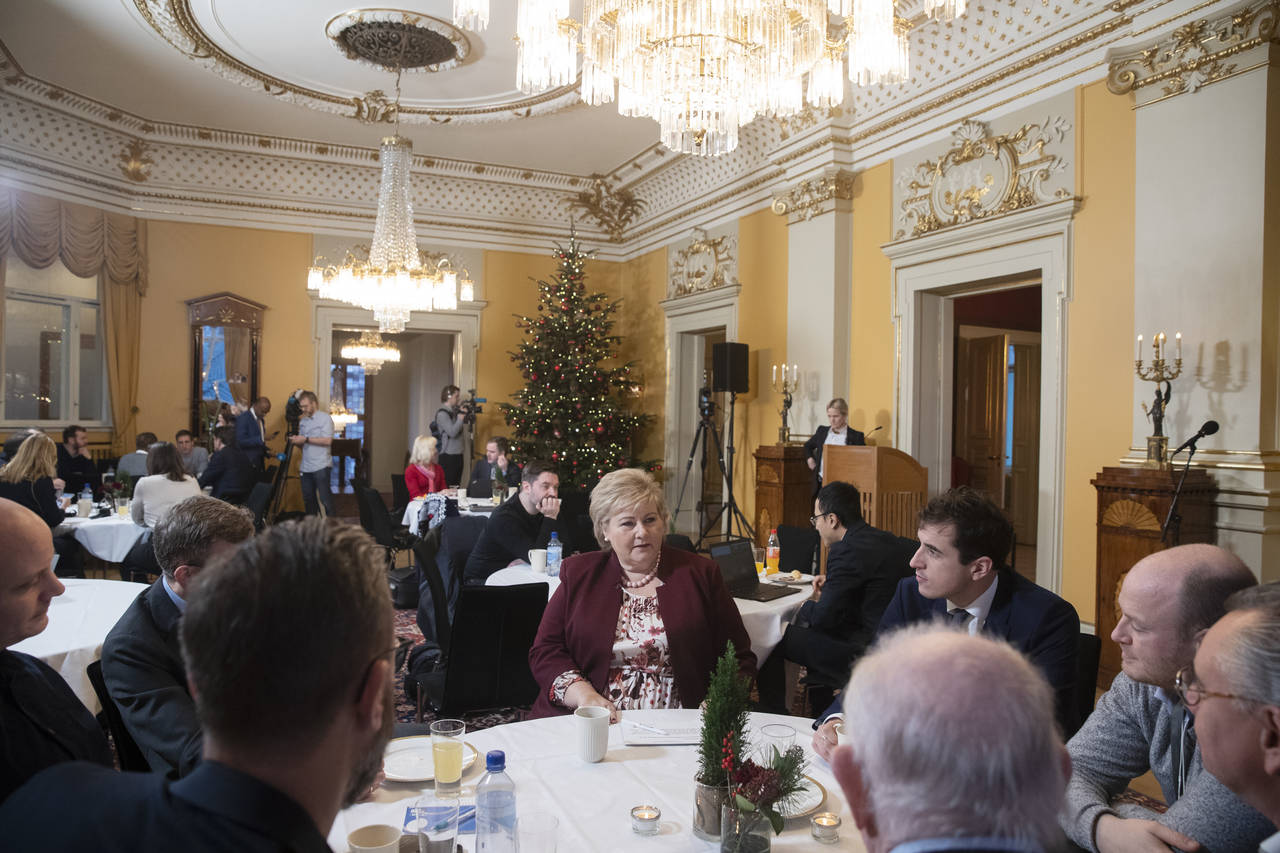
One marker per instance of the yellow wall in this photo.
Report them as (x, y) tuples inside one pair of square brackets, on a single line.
[(1100, 337), (643, 283), (871, 360)]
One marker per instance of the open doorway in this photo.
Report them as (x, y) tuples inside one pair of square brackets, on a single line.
[(995, 416), (700, 488)]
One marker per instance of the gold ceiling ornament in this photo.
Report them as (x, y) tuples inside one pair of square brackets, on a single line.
[(814, 196), (135, 161), (374, 107), (705, 264), (371, 351), (398, 40), (1195, 54), (704, 68), (983, 175), (613, 209)]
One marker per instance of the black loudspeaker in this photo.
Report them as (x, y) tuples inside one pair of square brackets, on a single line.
[(729, 367)]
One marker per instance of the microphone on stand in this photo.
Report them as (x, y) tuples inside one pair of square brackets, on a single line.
[(1208, 428), (873, 429)]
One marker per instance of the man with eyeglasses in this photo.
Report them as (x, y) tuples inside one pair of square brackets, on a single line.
[(829, 633), (1234, 692), (1168, 600)]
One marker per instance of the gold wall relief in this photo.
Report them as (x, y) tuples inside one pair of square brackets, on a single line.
[(135, 162), (705, 264), (612, 209), (814, 196)]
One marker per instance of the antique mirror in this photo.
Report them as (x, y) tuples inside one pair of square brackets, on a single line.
[(226, 334)]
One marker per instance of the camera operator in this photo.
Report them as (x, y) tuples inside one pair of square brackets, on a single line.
[(448, 424)]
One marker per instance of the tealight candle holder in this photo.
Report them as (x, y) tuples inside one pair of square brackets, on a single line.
[(825, 827), (644, 819)]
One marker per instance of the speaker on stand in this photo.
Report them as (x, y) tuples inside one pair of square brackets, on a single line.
[(729, 373)]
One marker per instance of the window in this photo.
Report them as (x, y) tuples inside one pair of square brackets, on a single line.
[(54, 358)]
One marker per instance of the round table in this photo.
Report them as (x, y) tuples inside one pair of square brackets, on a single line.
[(108, 538), (593, 801), (79, 621)]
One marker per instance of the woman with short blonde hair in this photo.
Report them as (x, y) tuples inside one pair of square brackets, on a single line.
[(423, 475)]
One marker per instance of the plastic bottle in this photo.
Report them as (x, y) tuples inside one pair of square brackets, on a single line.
[(85, 508), (772, 553), (495, 807), (554, 552)]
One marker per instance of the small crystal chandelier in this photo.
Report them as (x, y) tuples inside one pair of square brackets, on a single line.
[(371, 351)]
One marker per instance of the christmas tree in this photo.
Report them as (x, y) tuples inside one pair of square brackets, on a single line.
[(570, 411)]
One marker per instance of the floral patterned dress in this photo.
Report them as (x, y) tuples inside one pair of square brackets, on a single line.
[(640, 674)]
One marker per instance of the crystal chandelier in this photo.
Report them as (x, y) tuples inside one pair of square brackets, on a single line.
[(704, 68), (371, 351)]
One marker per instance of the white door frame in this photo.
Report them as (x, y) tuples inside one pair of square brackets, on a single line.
[(928, 273)]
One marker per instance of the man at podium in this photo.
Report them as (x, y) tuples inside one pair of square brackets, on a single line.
[(838, 433)]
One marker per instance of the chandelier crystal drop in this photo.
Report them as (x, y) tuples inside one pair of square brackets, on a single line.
[(877, 45), (371, 351), (471, 14)]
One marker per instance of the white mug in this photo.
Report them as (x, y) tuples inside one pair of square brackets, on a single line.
[(538, 560), (378, 838), (593, 732), (841, 737)]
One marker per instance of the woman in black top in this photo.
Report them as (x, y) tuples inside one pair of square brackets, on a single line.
[(30, 479)]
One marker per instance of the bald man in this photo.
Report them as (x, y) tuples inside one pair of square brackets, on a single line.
[(1168, 600), (42, 723)]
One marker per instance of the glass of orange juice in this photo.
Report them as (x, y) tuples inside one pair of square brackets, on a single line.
[(758, 553), (446, 753)]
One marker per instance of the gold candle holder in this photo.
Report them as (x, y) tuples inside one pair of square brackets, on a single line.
[(1162, 374), (786, 387)]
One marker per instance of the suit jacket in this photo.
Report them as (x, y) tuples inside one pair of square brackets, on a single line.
[(142, 665), (216, 808), (1040, 624), (813, 449), (230, 474), (578, 626), (251, 437), (481, 485), (863, 570)]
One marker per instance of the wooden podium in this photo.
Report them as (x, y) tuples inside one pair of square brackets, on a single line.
[(1132, 506), (784, 488), (891, 483)]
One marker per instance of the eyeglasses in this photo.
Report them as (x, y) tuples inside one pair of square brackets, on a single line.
[(1192, 692), (813, 519)]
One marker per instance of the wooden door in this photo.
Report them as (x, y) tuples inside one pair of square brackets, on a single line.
[(1024, 470), (982, 388)]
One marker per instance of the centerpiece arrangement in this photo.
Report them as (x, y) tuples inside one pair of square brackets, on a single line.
[(724, 723), (759, 793)]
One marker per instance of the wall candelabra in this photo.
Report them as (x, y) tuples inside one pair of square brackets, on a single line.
[(1162, 374)]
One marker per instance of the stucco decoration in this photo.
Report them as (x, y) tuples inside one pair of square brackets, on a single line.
[(705, 262)]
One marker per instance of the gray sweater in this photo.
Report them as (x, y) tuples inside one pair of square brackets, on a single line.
[(1127, 734)]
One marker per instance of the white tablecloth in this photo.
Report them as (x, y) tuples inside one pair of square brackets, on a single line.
[(593, 801), (107, 538), (79, 621), (764, 620)]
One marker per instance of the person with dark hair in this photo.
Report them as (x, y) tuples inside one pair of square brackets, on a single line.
[(142, 656), (523, 522), (167, 482), (839, 432), (28, 480), (449, 421), (961, 576), (1168, 601), (251, 432), (194, 459), (295, 720), (75, 466), (134, 465), (828, 634), (315, 435), (229, 471), (495, 456), (42, 722)]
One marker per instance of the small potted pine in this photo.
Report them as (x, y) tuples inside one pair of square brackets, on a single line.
[(724, 723)]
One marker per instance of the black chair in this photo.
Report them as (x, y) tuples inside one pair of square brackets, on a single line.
[(681, 542), (458, 538), (799, 548), (399, 495), (486, 662), (433, 595), (376, 521), (127, 751), (1088, 653), (259, 498)]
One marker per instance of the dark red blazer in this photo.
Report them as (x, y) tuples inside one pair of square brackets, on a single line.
[(420, 484), (578, 625)]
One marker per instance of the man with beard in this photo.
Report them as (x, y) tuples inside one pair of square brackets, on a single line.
[(295, 720)]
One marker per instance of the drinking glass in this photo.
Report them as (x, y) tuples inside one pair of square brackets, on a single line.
[(122, 506), (436, 823), (777, 736), (446, 753)]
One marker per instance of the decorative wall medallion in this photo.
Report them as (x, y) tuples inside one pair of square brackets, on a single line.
[(135, 162), (984, 175), (705, 264), (612, 209), (815, 196), (1196, 54)]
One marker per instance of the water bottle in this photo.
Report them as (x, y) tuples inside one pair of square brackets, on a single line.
[(772, 554), (85, 508), (495, 807), (554, 551)]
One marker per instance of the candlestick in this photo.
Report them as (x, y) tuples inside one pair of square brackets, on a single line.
[(1139, 347), (1162, 372), (1177, 336), (775, 373)]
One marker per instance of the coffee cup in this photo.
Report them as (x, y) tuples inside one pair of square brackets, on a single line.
[(538, 560), (378, 838), (841, 737), (593, 732)]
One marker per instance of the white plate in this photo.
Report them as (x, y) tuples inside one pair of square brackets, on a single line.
[(809, 800), (786, 579), (408, 759)]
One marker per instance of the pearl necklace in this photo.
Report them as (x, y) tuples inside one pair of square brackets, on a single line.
[(644, 580)]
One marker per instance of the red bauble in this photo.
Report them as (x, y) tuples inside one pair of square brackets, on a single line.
[(600, 428)]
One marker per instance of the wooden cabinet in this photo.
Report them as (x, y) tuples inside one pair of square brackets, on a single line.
[(784, 488), (1132, 505)]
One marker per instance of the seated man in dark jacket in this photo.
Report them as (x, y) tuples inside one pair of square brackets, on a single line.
[(495, 456), (864, 565), (42, 723), (523, 522), (229, 471), (142, 655), (75, 465)]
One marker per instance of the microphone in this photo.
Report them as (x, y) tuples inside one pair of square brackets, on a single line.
[(1208, 428), (875, 429)]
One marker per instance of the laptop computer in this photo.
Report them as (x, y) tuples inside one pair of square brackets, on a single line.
[(738, 566)]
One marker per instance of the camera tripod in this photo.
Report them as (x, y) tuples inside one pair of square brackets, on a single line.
[(707, 434)]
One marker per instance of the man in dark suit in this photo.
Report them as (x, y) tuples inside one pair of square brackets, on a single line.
[(229, 471), (295, 719), (495, 456), (251, 431), (142, 655), (961, 577), (864, 565), (838, 433)]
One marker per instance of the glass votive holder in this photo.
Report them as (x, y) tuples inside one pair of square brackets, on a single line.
[(644, 819), (825, 827)]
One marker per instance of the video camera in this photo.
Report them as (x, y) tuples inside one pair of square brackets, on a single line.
[(706, 403), (471, 407), (293, 413)]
